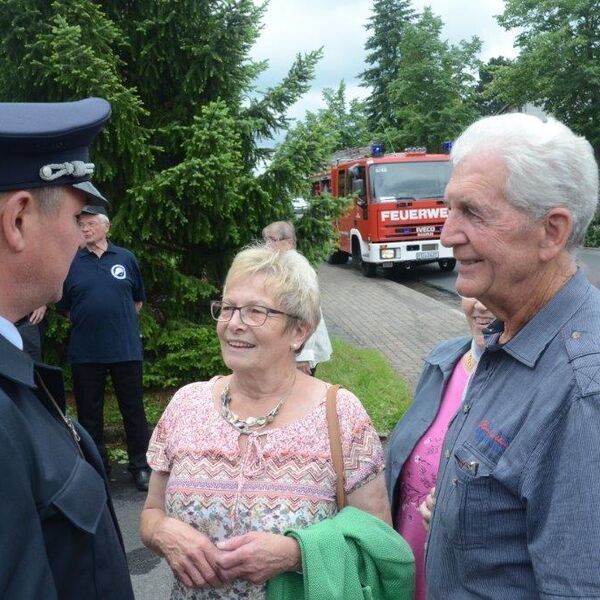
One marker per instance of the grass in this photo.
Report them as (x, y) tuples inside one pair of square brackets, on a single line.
[(366, 373)]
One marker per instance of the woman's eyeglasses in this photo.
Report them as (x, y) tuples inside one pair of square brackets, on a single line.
[(252, 315)]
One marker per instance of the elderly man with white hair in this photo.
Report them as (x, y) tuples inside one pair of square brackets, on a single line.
[(103, 294), (516, 513)]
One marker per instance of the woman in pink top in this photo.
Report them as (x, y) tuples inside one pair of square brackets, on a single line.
[(415, 445), (239, 459)]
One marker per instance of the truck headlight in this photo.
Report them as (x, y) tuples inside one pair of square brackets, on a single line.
[(387, 254)]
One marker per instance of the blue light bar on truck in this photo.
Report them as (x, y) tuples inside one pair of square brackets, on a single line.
[(377, 150)]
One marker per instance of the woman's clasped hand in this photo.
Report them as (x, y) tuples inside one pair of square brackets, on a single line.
[(257, 556), (198, 563), (190, 554)]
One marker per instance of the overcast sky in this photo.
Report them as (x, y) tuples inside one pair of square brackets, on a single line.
[(292, 26)]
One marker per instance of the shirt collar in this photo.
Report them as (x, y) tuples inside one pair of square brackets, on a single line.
[(85, 252), (476, 351), (15, 365), (530, 341), (11, 333), (444, 355)]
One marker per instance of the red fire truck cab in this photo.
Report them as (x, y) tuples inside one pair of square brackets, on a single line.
[(398, 209)]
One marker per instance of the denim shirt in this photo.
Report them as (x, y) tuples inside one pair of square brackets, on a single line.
[(518, 491), (438, 367)]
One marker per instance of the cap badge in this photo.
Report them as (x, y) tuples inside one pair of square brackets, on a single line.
[(77, 168)]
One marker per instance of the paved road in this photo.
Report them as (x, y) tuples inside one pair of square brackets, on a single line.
[(400, 322), (374, 313), (150, 574), (429, 275)]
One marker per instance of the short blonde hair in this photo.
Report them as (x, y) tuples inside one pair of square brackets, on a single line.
[(289, 276)]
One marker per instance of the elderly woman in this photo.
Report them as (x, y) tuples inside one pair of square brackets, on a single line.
[(239, 459), (415, 445), (281, 235)]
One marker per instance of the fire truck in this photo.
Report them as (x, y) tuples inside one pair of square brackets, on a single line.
[(397, 212)]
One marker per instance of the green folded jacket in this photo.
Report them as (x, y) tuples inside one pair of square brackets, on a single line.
[(353, 556)]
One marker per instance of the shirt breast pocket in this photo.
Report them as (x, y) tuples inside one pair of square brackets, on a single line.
[(465, 508)]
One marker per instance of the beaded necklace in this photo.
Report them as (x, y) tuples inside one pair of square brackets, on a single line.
[(250, 424), (469, 362)]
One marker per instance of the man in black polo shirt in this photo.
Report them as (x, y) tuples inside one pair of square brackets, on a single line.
[(103, 294)]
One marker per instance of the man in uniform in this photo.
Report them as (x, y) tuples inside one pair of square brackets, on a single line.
[(59, 537), (516, 514), (103, 295)]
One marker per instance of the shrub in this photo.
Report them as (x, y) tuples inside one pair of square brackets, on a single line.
[(181, 352)]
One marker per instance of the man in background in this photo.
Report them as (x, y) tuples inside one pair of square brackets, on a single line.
[(103, 294), (281, 235), (59, 537)]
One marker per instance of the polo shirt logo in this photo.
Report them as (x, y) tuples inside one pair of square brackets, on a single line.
[(118, 272)]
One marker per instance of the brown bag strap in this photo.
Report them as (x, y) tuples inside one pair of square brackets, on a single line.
[(335, 443)]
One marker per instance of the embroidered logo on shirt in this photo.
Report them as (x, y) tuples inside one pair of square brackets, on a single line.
[(118, 272), (487, 434)]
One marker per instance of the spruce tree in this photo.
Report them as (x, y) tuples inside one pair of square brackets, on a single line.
[(386, 26), (181, 156), (558, 67), (433, 97), (487, 102)]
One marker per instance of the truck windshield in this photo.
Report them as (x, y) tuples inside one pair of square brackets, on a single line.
[(409, 180)]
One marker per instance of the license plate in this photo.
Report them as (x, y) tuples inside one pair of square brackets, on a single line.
[(428, 254)]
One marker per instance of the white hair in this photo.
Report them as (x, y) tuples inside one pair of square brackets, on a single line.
[(548, 166), (103, 218), (282, 230)]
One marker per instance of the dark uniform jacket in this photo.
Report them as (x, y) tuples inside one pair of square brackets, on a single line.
[(59, 538)]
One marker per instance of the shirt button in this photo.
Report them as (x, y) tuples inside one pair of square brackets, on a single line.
[(454, 482), (447, 454), (466, 408), (576, 335)]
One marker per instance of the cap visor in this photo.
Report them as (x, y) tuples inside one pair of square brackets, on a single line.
[(93, 210), (94, 197)]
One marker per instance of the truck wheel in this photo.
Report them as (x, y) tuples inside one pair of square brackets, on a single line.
[(367, 269), (339, 257), (447, 264)]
